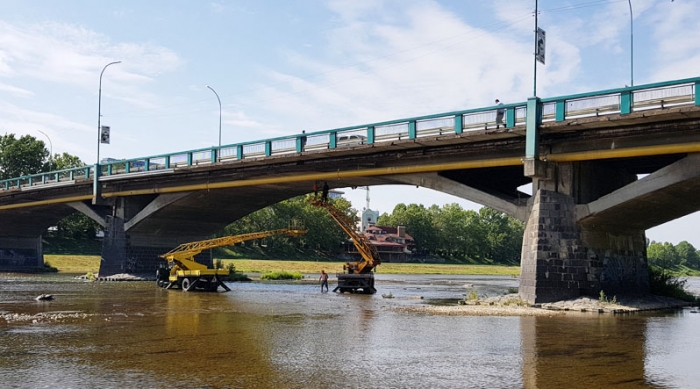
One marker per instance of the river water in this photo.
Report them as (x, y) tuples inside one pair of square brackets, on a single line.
[(289, 335)]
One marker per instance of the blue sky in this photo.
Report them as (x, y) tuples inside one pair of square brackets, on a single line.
[(285, 66)]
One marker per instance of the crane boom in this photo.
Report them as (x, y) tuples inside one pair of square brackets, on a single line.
[(189, 250), (186, 273), (359, 274)]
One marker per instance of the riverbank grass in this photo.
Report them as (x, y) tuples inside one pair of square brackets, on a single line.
[(82, 264), (281, 275), (309, 267)]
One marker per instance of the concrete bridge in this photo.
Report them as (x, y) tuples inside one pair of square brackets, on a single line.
[(584, 155)]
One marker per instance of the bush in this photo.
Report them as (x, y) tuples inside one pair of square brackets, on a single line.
[(281, 275), (664, 284)]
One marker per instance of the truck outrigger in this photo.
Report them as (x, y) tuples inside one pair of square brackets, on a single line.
[(187, 274)]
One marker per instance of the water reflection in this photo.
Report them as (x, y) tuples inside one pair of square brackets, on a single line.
[(583, 351), (277, 335)]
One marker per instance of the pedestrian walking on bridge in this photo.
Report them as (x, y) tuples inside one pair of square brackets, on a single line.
[(499, 114)]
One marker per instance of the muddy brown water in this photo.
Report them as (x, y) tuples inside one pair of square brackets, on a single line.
[(289, 335)]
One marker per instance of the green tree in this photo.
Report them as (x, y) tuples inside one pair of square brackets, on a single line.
[(21, 157), (476, 231), (77, 225), (64, 161), (323, 233), (688, 255), (418, 223), (504, 236), (662, 255), (450, 224)]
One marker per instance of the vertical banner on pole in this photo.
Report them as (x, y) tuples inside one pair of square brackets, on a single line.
[(104, 134), (539, 53)]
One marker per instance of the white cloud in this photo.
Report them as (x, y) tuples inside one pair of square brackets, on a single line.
[(676, 32), (68, 54), (66, 135), (15, 90), (430, 62)]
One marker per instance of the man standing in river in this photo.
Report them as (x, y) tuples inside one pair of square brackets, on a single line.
[(324, 280)]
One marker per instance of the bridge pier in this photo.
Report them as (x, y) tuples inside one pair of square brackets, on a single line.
[(564, 255), (21, 254), (127, 251), (562, 259)]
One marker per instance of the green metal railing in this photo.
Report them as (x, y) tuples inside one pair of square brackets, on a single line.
[(607, 102)]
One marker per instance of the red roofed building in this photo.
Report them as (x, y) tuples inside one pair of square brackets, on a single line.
[(393, 243)]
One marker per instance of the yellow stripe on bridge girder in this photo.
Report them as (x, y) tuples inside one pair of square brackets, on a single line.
[(496, 162), (432, 168)]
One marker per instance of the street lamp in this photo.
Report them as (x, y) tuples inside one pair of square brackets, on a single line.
[(50, 145), (217, 97), (99, 109), (631, 45)]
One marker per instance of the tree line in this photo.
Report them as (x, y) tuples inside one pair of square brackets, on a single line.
[(667, 256), (26, 155), (449, 232)]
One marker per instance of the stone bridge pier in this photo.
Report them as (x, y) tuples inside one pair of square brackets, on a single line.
[(129, 249), (21, 254), (564, 255)]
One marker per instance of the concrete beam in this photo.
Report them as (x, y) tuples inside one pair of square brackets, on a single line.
[(89, 212), (441, 184), (648, 197), (160, 202)]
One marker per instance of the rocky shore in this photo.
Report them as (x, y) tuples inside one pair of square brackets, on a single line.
[(119, 277), (512, 305), (43, 317)]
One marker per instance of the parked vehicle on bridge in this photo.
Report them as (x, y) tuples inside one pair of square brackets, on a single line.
[(357, 277), (187, 274), (351, 140)]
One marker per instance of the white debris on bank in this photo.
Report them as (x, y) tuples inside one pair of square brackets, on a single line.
[(118, 277), (42, 317), (512, 305)]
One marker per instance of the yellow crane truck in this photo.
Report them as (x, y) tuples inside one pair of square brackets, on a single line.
[(357, 277), (187, 274)]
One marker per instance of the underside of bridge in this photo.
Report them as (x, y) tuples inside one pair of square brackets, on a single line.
[(143, 227)]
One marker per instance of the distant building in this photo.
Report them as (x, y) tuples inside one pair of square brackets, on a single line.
[(369, 218), (392, 243)]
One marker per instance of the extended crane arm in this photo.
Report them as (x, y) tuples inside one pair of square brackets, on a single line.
[(369, 253), (184, 254)]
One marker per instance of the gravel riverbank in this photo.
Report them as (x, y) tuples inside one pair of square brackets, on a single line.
[(511, 305)]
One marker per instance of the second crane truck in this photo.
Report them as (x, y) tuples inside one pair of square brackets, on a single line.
[(358, 276)]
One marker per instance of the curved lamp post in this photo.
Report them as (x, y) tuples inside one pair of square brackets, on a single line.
[(50, 145), (99, 109), (217, 97)]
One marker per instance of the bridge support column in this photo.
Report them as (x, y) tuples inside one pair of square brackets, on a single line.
[(21, 254), (561, 259), (136, 253), (120, 255)]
